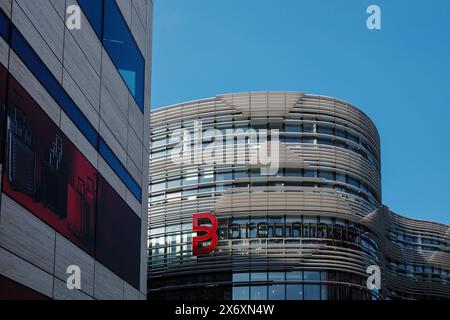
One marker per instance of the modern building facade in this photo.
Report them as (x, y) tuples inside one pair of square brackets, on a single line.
[(307, 230), (74, 146)]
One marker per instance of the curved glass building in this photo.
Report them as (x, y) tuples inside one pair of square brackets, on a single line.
[(294, 183)]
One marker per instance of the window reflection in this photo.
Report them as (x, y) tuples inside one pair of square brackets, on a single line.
[(123, 50)]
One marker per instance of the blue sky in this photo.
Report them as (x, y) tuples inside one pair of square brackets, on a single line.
[(399, 75)]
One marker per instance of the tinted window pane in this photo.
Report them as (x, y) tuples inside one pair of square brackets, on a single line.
[(45, 173), (258, 276), (312, 275), (3, 89), (312, 292), (294, 292), (294, 275), (4, 26), (112, 160), (276, 275), (118, 235), (276, 292), (123, 50), (93, 11), (11, 290), (241, 293), (241, 277), (258, 293)]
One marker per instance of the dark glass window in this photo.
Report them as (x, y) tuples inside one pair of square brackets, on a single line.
[(4, 26), (258, 276), (240, 174), (294, 172), (258, 293), (11, 290), (123, 50), (112, 160), (323, 129), (326, 175), (3, 95), (310, 173), (353, 182), (309, 140), (340, 133), (276, 276), (223, 176), (341, 177), (46, 173), (292, 127), (294, 292), (309, 127), (353, 137), (241, 293), (241, 277), (276, 292), (118, 236), (294, 275), (93, 10), (312, 292), (312, 275)]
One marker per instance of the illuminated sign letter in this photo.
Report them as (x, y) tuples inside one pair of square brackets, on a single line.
[(204, 233)]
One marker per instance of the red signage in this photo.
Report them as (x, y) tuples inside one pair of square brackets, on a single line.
[(204, 233)]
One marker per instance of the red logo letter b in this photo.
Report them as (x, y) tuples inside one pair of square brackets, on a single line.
[(211, 233)]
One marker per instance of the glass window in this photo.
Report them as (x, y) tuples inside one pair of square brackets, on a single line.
[(276, 276), (326, 175), (159, 142), (158, 187), (190, 180), (241, 293), (119, 169), (323, 129), (258, 293), (206, 190), (118, 235), (294, 275), (309, 140), (224, 176), (156, 198), (292, 127), (241, 277), (258, 276), (173, 196), (312, 275), (353, 137), (45, 172), (93, 9), (340, 133), (4, 26), (206, 177), (309, 127), (174, 183), (276, 292), (294, 292), (324, 292), (240, 174), (292, 139), (341, 177), (310, 173), (294, 172), (123, 50), (312, 292), (353, 182)]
